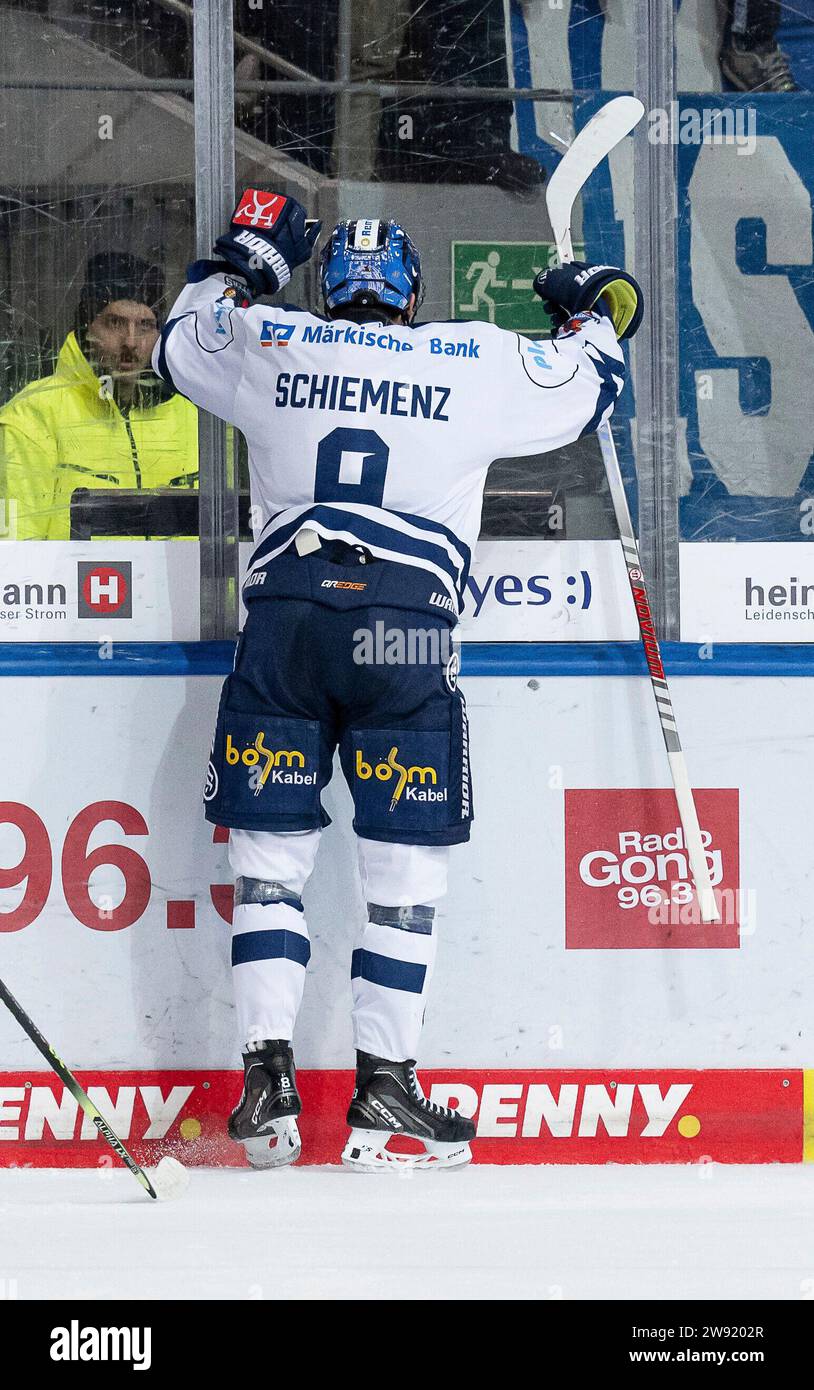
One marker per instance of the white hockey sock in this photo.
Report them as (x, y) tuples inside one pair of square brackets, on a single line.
[(270, 950), (270, 946), (391, 971)]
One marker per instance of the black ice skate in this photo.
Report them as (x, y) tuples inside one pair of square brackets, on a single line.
[(388, 1100), (265, 1120)]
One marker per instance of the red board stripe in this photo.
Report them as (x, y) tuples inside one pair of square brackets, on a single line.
[(523, 1116)]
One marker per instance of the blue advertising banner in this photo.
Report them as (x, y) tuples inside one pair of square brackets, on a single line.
[(746, 317)]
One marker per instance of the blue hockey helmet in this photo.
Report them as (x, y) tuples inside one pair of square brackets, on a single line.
[(369, 262)]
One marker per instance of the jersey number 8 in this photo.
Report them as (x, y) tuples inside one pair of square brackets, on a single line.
[(351, 467)]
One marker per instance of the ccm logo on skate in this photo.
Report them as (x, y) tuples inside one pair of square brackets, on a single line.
[(259, 1106), (405, 778), (270, 765), (387, 1115)]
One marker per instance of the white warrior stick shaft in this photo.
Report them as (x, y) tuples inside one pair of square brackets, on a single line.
[(594, 142)]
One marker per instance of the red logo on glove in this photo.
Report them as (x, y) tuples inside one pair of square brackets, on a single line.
[(259, 209)]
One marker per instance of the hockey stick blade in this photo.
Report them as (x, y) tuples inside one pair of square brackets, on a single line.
[(168, 1179), (612, 123)]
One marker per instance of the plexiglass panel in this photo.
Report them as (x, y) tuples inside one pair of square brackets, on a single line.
[(745, 165), (462, 163), (96, 227)]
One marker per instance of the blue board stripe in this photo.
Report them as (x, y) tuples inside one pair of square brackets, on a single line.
[(127, 659), (270, 945), (477, 659), (383, 970)]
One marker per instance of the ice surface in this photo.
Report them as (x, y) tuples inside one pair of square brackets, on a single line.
[(543, 1233)]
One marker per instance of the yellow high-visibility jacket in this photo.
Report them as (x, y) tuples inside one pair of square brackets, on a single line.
[(65, 432)]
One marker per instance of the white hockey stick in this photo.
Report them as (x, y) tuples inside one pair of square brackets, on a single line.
[(594, 142)]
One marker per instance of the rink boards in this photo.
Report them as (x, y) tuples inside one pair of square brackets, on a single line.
[(579, 1010)]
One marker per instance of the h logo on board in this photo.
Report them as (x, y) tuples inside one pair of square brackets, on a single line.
[(104, 590)]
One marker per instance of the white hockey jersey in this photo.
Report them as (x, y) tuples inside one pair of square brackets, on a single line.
[(382, 435)]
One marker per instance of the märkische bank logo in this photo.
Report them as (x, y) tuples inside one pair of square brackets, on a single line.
[(276, 334), (414, 783), (104, 590), (270, 766)]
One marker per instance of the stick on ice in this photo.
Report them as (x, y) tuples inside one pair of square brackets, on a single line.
[(168, 1180)]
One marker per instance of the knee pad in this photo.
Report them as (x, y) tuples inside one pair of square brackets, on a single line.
[(257, 890), (417, 918)]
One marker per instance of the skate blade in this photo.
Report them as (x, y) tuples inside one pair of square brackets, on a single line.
[(277, 1149), (367, 1152)]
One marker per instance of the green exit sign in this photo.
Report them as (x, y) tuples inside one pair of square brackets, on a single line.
[(492, 281)]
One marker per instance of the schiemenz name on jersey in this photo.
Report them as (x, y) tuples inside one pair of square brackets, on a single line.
[(322, 391)]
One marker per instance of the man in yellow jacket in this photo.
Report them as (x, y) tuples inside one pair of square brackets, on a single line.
[(103, 419)]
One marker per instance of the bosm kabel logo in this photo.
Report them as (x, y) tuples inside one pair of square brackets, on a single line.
[(405, 777), (274, 762), (104, 590)]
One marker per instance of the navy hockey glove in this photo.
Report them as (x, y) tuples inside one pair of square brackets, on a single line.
[(268, 237), (571, 289)]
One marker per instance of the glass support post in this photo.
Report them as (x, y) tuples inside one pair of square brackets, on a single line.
[(213, 38), (655, 349)]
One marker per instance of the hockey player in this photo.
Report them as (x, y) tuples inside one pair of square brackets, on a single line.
[(369, 441)]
